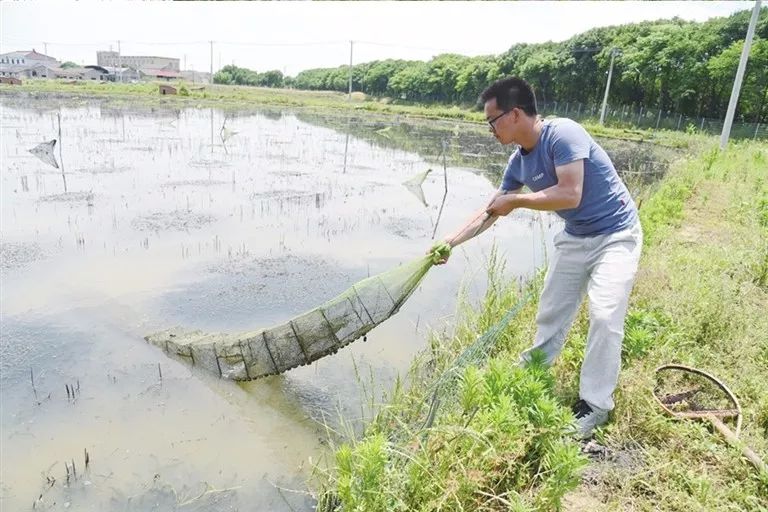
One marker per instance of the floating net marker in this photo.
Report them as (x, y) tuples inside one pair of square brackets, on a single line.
[(305, 338), (414, 186), (44, 152)]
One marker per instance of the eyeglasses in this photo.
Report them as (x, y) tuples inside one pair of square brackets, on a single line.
[(492, 122)]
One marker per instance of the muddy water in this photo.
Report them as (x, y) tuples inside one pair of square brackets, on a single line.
[(183, 217)]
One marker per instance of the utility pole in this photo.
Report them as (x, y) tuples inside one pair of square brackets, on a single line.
[(739, 77), (614, 51), (45, 47), (210, 80), (120, 61), (351, 44)]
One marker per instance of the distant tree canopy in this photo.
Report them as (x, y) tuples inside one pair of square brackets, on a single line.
[(233, 75), (673, 65), (69, 64)]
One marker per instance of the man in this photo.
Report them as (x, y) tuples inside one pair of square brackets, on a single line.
[(596, 254)]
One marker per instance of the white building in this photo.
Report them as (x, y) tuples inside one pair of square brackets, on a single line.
[(120, 74), (114, 59), (36, 70), (27, 59)]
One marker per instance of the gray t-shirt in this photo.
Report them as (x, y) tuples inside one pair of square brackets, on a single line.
[(606, 206)]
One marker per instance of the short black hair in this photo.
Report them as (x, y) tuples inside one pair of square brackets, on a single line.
[(510, 93)]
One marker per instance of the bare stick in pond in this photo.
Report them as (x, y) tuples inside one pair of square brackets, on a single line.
[(445, 193), (61, 158), (32, 378)]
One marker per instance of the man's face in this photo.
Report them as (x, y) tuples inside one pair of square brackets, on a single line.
[(502, 123)]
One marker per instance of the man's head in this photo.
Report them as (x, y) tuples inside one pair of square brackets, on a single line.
[(510, 108)]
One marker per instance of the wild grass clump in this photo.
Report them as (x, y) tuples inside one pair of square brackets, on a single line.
[(500, 438), (503, 446)]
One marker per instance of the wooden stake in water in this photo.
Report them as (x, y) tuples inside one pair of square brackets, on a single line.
[(32, 378), (61, 158), (445, 193)]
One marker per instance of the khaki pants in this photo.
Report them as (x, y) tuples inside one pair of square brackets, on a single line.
[(603, 267)]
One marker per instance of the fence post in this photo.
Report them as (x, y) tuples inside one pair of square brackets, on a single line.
[(578, 111), (566, 108), (756, 129), (658, 119), (639, 116), (679, 119), (701, 128)]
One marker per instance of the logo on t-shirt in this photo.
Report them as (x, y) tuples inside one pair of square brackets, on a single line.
[(538, 176)]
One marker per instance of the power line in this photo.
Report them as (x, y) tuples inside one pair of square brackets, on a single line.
[(5, 39), (315, 43)]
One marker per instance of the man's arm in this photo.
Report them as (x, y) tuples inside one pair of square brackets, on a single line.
[(565, 195), (479, 221)]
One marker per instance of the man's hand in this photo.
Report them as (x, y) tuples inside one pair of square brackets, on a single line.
[(502, 205), (440, 252)]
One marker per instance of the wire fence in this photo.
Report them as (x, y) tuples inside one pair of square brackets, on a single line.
[(649, 118)]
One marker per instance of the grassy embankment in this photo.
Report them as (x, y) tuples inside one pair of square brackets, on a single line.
[(701, 299), (244, 98)]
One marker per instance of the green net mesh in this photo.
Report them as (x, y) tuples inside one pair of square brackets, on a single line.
[(305, 338), (475, 354)]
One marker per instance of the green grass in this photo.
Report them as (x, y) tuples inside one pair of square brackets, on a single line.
[(500, 442), (701, 299)]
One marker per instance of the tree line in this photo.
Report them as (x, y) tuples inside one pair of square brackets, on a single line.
[(671, 65)]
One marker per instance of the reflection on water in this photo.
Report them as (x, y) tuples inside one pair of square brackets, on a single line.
[(178, 217)]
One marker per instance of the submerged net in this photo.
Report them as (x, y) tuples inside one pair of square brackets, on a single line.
[(305, 338)]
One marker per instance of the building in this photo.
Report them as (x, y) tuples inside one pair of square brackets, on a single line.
[(114, 59), (159, 74), (27, 58), (45, 71), (28, 64), (28, 71), (113, 74)]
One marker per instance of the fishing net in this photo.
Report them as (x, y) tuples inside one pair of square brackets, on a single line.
[(414, 186), (44, 152), (476, 354), (305, 338)]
